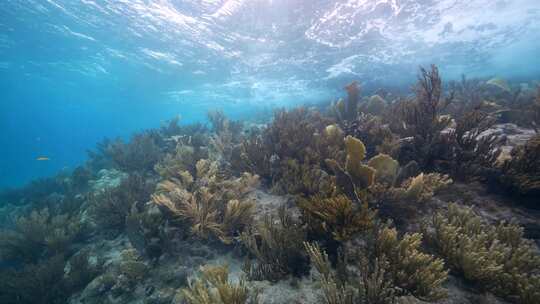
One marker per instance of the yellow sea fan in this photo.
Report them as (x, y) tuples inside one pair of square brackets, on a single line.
[(385, 165), (500, 83)]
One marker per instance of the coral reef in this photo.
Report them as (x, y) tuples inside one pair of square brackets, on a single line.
[(361, 175), (536, 111), (356, 178), (253, 155), (35, 283), (408, 199), (130, 271), (147, 230), (107, 179), (372, 131), (357, 195), (375, 105), (386, 168)]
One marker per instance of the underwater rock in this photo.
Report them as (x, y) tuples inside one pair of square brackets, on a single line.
[(514, 134), (267, 204), (107, 178)]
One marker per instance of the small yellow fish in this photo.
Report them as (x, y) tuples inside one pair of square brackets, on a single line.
[(42, 158)]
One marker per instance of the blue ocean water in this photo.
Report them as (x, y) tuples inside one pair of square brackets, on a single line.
[(73, 72)]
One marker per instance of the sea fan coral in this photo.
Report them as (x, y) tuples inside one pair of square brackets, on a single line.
[(386, 168)]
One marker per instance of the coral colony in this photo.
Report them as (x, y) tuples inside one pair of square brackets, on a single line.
[(370, 199)]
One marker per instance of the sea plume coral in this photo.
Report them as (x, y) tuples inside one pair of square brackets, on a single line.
[(276, 243), (139, 155), (466, 152), (411, 269), (522, 171), (353, 93), (47, 281), (226, 134), (110, 207), (39, 234), (386, 265), (214, 287), (337, 215), (496, 257), (212, 205), (183, 159), (295, 140), (421, 119)]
